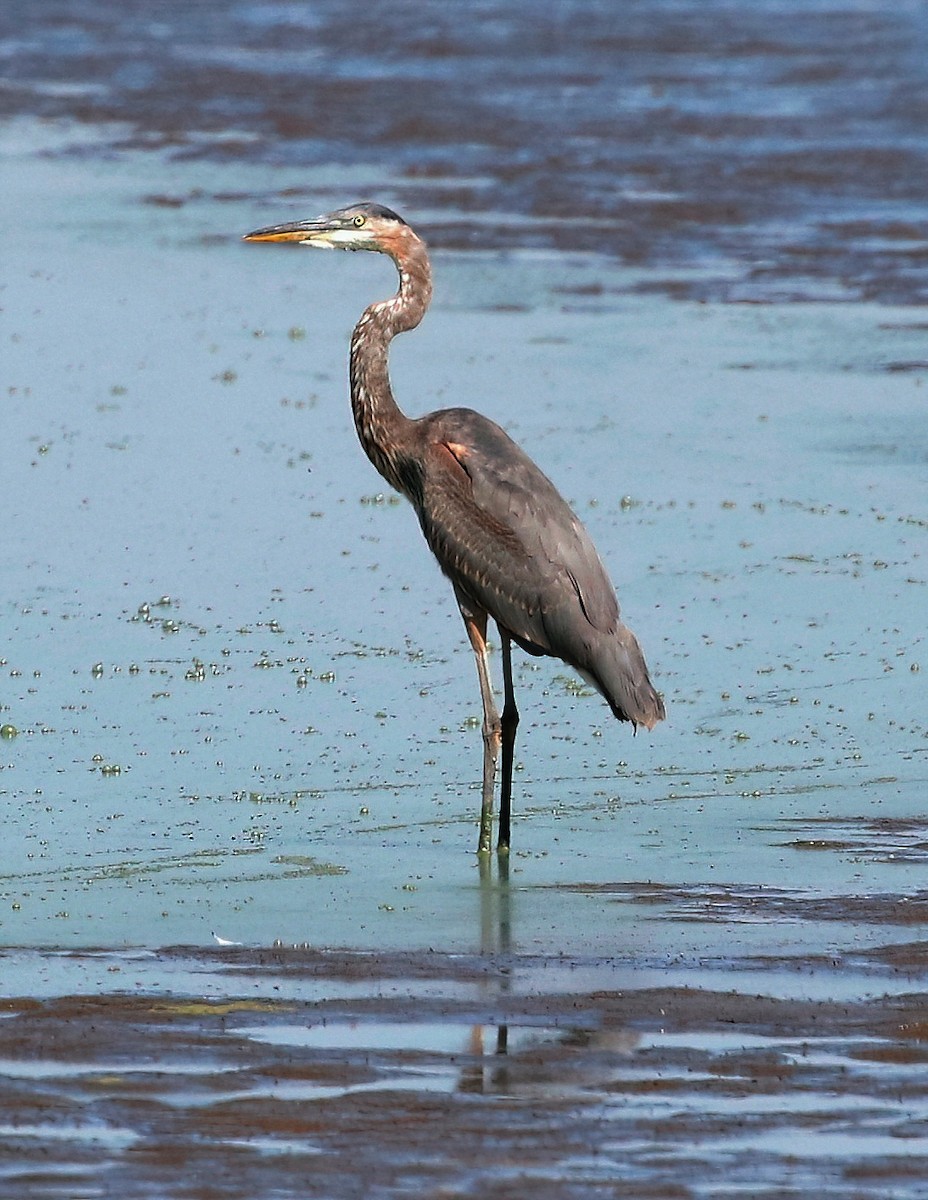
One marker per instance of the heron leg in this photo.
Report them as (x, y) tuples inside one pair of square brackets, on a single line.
[(508, 726), (476, 624)]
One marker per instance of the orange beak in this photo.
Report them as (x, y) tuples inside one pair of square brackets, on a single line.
[(296, 231)]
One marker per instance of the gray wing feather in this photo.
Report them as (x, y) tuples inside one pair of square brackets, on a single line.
[(513, 547), (513, 544)]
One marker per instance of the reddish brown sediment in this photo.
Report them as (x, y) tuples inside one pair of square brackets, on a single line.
[(490, 1083)]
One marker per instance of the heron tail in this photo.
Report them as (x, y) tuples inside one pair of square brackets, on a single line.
[(621, 674)]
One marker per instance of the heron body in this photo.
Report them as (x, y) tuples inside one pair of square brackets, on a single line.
[(509, 543)]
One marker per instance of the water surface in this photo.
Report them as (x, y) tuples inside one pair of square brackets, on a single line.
[(243, 705)]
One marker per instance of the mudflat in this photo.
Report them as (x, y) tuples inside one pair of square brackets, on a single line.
[(246, 946)]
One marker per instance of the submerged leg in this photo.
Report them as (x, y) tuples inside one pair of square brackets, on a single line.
[(477, 632), (508, 726)]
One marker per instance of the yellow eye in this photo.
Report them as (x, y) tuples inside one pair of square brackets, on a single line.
[(359, 220)]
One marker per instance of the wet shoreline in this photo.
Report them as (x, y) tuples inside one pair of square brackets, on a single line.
[(775, 149), (429, 1071), (681, 261)]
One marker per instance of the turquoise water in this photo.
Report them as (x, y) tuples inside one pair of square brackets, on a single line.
[(244, 699), (241, 718)]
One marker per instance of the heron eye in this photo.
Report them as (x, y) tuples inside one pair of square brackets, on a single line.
[(359, 220)]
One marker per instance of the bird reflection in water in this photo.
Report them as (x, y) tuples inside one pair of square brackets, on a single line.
[(490, 1071), (514, 1057)]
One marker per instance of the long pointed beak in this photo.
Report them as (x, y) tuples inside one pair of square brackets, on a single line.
[(310, 233)]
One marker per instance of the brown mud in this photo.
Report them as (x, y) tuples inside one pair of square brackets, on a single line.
[(679, 249), (460, 1075)]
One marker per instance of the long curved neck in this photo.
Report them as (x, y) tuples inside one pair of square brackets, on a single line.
[(382, 427)]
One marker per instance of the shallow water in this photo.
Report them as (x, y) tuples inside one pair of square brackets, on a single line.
[(244, 699), (776, 146), (244, 706), (310, 1073)]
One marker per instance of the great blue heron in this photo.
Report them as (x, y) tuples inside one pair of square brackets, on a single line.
[(501, 532)]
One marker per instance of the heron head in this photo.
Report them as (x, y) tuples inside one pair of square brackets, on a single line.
[(364, 226)]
